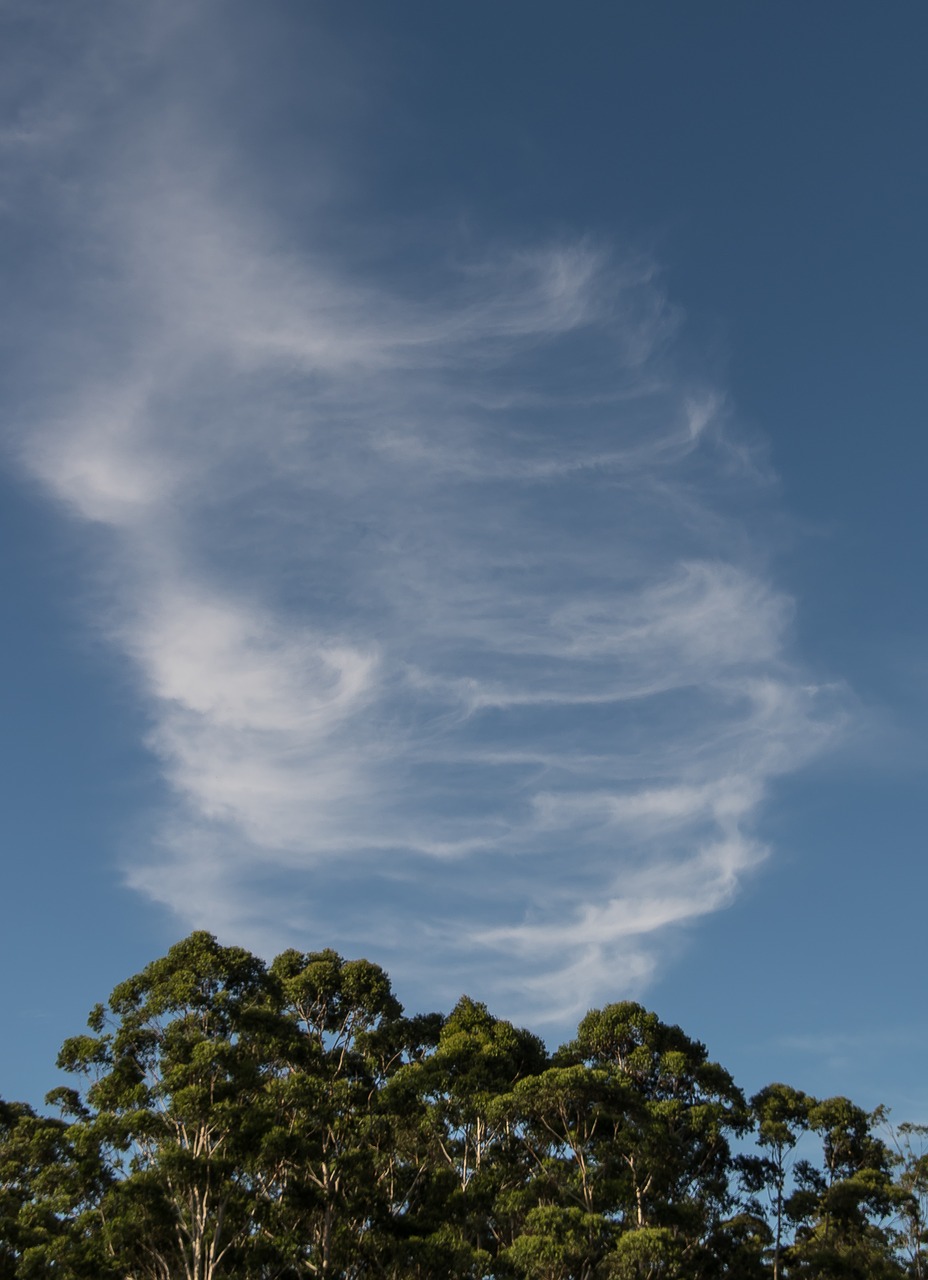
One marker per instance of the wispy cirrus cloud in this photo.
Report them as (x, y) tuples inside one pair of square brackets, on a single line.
[(430, 578)]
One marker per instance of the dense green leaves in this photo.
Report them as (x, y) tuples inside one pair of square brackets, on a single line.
[(234, 1120)]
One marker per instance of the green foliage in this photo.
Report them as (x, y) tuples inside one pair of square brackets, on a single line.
[(559, 1244), (910, 1234), (51, 1177), (649, 1254), (842, 1207), (272, 1123)]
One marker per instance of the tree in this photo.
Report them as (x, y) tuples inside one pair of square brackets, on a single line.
[(467, 1160), (567, 1117), (324, 1167), (842, 1208), (665, 1150), (289, 1122), (781, 1115), (559, 1243), (911, 1146), (173, 1084), (50, 1179)]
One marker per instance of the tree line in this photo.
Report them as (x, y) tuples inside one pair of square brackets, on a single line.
[(234, 1119)]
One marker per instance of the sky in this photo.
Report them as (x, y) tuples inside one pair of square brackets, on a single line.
[(461, 479)]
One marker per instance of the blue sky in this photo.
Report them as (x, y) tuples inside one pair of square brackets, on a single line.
[(462, 504)]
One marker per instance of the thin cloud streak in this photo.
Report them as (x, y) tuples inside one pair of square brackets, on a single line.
[(431, 596)]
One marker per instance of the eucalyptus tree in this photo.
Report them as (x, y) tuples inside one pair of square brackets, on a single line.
[(781, 1116), (665, 1151), (559, 1243), (324, 1158), (843, 1206), (566, 1117), (287, 1123), (173, 1083), (50, 1181), (468, 1161), (911, 1160)]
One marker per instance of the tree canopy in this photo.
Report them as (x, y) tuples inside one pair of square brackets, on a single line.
[(233, 1119)]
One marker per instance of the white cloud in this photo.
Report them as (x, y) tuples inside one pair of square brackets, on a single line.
[(444, 630)]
